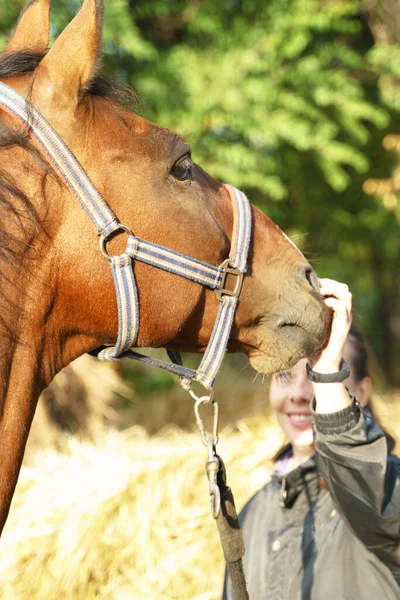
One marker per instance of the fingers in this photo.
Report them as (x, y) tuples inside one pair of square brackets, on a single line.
[(341, 321), (337, 297), (329, 287), (340, 306)]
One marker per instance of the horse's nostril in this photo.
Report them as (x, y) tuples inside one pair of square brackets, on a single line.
[(312, 278)]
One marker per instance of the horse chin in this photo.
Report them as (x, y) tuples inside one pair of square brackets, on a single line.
[(271, 364), (292, 344)]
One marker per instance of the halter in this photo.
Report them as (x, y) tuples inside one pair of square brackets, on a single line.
[(77, 181)]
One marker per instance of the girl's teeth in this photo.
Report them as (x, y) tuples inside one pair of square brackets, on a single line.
[(301, 417)]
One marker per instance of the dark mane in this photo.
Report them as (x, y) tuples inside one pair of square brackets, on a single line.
[(15, 206)]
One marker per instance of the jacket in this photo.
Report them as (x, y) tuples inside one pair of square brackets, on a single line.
[(306, 542)]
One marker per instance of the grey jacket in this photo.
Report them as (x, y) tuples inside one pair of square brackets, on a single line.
[(304, 542)]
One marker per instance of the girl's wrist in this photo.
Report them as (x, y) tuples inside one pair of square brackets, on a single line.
[(331, 397), (327, 365)]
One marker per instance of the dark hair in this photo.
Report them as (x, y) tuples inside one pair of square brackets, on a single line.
[(359, 357), (360, 368)]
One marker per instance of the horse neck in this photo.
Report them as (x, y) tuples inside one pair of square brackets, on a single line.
[(20, 386), (26, 296)]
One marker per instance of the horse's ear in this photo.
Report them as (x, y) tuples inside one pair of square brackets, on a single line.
[(32, 32), (71, 64)]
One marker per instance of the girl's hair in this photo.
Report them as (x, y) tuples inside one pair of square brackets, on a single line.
[(359, 358), (360, 368)]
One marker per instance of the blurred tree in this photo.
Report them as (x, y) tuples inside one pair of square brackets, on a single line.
[(383, 18), (288, 100)]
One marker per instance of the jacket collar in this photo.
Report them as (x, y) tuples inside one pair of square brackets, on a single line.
[(304, 477)]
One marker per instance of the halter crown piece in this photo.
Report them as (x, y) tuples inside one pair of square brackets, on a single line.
[(77, 181)]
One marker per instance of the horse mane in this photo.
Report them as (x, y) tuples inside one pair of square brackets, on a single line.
[(15, 205)]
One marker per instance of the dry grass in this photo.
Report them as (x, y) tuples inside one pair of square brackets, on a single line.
[(126, 518), (80, 400), (89, 396)]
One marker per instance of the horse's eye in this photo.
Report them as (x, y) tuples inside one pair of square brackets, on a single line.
[(182, 169)]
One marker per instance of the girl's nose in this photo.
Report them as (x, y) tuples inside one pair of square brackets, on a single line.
[(303, 390)]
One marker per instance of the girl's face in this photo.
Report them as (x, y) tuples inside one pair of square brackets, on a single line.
[(290, 396)]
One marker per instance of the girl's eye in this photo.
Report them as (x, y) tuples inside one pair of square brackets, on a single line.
[(283, 376), (182, 169)]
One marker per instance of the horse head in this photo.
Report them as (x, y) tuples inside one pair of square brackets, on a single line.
[(56, 289)]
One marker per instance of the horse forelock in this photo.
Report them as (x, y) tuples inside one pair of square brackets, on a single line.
[(19, 63)]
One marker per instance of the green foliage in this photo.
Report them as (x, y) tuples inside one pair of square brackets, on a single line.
[(385, 58), (9, 13), (249, 82), (146, 382)]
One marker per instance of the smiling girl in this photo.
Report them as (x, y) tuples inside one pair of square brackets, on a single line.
[(326, 527)]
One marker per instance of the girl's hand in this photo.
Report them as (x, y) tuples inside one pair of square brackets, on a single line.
[(338, 297)]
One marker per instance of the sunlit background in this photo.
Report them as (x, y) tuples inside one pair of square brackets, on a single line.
[(297, 102)]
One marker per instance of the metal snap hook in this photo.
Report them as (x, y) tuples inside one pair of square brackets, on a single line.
[(212, 464), (212, 468), (199, 421)]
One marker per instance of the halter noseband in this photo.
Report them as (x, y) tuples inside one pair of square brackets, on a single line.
[(77, 181)]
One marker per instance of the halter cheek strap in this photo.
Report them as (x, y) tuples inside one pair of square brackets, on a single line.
[(190, 268), (77, 181)]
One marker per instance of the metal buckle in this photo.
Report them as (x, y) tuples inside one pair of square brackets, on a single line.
[(227, 270), (104, 238)]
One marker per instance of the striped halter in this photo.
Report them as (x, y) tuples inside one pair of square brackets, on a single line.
[(74, 177)]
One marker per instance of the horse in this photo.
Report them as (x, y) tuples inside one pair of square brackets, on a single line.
[(57, 298)]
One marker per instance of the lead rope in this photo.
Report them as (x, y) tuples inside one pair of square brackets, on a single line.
[(222, 502)]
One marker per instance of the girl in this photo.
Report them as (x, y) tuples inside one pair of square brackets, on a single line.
[(326, 527)]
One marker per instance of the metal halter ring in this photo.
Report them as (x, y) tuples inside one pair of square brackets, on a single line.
[(104, 238)]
